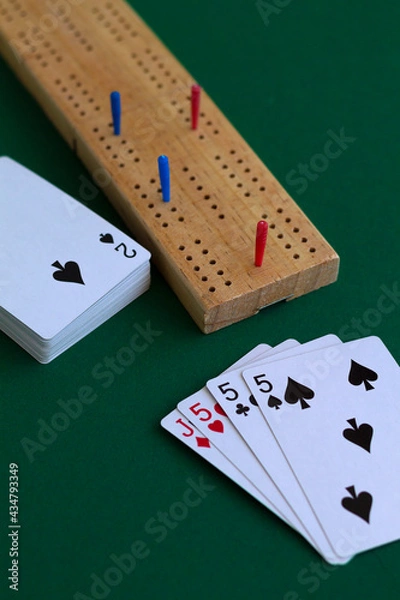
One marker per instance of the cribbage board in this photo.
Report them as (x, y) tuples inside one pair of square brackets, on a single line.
[(202, 241)]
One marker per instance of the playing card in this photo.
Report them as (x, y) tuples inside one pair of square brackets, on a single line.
[(338, 427), (231, 392), (202, 410), (187, 433), (58, 257)]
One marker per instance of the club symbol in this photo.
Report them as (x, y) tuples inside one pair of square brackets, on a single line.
[(242, 410)]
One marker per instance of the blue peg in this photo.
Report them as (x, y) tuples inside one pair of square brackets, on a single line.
[(163, 169), (116, 111)]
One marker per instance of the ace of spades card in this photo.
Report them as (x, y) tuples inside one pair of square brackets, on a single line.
[(58, 271), (339, 432)]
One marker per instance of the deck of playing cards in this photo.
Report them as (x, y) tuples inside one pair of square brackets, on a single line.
[(63, 269), (311, 431)]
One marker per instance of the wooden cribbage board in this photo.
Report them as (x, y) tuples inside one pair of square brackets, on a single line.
[(203, 240)]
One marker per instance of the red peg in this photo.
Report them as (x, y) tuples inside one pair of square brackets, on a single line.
[(261, 241), (196, 89)]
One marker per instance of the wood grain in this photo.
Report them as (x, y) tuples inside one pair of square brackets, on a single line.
[(71, 59)]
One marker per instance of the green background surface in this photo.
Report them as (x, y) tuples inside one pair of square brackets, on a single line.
[(284, 81)]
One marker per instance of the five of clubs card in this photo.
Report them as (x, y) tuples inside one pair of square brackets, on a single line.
[(311, 432), (64, 270)]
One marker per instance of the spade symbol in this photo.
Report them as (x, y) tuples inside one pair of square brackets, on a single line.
[(358, 505), (106, 238), (361, 436), (252, 400), (69, 272), (296, 391), (274, 402), (359, 374)]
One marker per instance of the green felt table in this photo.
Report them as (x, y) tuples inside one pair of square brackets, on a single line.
[(287, 76)]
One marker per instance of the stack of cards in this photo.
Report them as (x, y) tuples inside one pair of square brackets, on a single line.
[(311, 432), (63, 269)]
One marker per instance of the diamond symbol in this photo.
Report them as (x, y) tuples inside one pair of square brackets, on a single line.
[(202, 442)]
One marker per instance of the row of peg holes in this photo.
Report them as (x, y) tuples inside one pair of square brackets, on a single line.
[(15, 6), (199, 188), (115, 13), (72, 93), (81, 39), (167, 73), (263, 216), (196, 268), (247, 194), (39, 36), (140, 63), (115, 156), (101, 17), (46, 44), (189, 257), (206, 196)]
